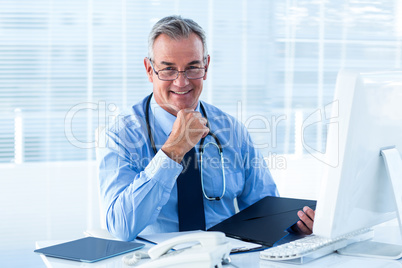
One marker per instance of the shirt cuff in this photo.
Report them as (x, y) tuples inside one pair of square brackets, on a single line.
[(163, 167)]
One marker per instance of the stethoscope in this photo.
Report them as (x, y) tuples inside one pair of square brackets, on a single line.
[(202, 149)]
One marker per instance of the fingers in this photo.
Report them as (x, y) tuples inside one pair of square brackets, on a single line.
[(194, 120), (203, 120), (199, 132), (205, 133), (306, 220), (303, 228), (309, 212), (190, 126), (195, 115)]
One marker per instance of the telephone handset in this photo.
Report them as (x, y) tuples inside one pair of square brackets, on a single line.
[(210, 250)]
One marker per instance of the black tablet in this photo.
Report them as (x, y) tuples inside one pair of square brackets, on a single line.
[(89, 249)]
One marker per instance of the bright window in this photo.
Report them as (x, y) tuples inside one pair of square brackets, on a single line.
[(272, 64)]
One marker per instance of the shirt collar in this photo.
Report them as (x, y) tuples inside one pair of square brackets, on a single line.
[(164, 118)]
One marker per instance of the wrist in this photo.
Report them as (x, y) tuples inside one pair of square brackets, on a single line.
[(173, 152)]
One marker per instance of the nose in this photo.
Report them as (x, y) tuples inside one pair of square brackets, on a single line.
[(182, 80)]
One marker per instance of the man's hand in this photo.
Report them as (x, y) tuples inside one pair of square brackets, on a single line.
[(305, 225), (188, 129)]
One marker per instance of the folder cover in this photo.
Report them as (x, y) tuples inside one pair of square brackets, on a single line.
[(89, 249), (264, 222)]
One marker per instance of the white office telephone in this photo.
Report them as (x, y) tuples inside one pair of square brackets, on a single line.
[(208, 249)]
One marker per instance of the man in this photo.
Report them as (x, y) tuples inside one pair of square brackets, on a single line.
[(150, 148)]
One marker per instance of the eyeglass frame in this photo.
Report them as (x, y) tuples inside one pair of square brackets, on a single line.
[(178, 72)]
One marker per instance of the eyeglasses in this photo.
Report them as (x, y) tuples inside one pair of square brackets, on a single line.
[(172, 74)]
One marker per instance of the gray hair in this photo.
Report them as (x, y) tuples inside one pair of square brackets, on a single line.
[(176, 28)]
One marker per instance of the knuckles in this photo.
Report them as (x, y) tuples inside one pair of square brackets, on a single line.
[(191, 118)]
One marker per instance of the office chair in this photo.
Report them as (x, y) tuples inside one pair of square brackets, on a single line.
[(97, 221)]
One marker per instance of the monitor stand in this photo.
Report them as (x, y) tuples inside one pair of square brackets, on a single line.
[(393, 164)]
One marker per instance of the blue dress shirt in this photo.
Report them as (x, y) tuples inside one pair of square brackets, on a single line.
[(138, 188)]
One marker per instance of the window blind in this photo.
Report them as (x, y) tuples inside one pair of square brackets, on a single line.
[(272, 64)]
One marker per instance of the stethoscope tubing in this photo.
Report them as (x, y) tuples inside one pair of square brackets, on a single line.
[(202, 147), (151, 139)]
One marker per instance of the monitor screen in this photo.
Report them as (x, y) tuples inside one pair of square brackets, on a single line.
[(366, 117)]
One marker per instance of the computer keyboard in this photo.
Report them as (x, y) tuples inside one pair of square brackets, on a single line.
[(312, 247)]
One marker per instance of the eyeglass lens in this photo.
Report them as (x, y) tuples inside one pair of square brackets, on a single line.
[(195, 73)]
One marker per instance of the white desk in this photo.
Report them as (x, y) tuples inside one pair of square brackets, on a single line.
[(386, 233)]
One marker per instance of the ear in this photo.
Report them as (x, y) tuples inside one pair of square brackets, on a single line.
[(148, 69), (206, 66)]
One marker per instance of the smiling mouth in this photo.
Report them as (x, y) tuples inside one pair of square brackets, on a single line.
[(181, 92)]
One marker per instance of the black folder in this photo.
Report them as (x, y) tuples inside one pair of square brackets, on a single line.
[(265, 222)]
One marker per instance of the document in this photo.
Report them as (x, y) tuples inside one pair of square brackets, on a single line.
[(237, 245)]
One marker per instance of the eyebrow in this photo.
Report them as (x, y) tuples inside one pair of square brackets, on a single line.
[(171, 63)]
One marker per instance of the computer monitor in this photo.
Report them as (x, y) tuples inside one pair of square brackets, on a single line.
[(357, 191)]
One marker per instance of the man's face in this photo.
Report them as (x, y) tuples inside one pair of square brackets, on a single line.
[(180, 55)]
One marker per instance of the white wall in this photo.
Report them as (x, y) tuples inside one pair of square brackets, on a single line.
[(301, 178), (43, 201)]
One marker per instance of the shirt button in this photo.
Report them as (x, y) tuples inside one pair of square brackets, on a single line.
[(159, 208)]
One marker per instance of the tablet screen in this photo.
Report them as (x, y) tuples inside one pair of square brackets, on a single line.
[(89, 249)]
